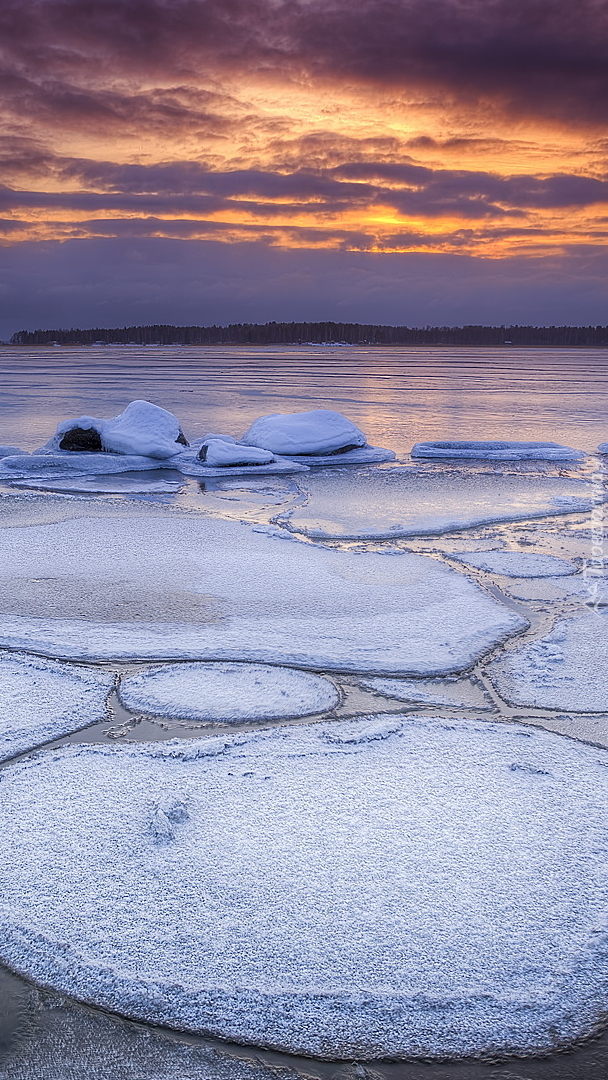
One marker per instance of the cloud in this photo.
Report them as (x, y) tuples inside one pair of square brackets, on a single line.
[(546, 58), (130, 281)]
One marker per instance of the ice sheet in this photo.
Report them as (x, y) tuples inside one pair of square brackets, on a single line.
[(589, 589), (365, 455), (228, 692), (460, 693), (68, 1042), (521, 564), (497, 451), (378, 503), (566, 669), (42, 700), (411, 887), (252, 598)]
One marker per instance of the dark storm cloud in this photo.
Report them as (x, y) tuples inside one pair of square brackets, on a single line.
[(188, 189), (545, 57), (127, 281)]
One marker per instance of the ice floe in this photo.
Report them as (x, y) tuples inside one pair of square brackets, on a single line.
[(517, 564), (319, 431), (497, 450), (383, 888), (42, 700), (565, 669), (143, 430), (588, 588), (456, 693), (251, 598), (394, 502), (9, 451), (228, 692)]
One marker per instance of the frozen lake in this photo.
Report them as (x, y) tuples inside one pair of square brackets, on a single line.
[(398, 396), (323, 698)]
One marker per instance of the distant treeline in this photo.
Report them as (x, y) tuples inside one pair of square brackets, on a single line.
[(277, 333)]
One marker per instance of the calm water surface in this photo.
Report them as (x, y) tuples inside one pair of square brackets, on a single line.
[(398, 396)]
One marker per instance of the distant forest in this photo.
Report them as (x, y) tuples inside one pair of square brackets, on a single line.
[(277, 333)]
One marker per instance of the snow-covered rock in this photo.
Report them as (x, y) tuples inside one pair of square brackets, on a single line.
[(143, 430), (42, 700), (397, 887), (387, 503), (220, 452), (228, 692), (319, 431), (565, 669), (517, 564), (240, 595), (497, 450)]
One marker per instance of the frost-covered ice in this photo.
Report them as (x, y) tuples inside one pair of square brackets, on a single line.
[(220, 591), (62, 463), (228, 692), (566, 669), (191, 465), (318, 431), (517, 564), (459, 693), (385, 503), (60, 1040), (142, 429), (42, 700), (387, 887), (364, 455), (497, 450), (120, 484), (589, 589), (9, 451)]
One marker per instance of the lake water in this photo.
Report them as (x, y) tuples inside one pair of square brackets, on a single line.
[(398, 396)]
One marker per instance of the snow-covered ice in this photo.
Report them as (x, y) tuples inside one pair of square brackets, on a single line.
[(142, 429), (319, 431), (565, 669), (42, 700), (9, 451), (393, 502), (228, 692), (589, 589), (456, 693), (223, 453), (517, 564), (119, 484), (252, 599), (65, 463), (497, 450), (387, 887)]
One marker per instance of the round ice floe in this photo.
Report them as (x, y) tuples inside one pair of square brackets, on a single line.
[(228, 692), (497, 450), (388, 887), (517, 564), (42, 700), (565, 669), (320, 431)]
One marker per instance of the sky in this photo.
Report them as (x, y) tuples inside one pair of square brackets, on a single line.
[(404, 161)]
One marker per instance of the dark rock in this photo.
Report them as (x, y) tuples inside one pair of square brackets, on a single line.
[(81, 439), (182, 440)]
